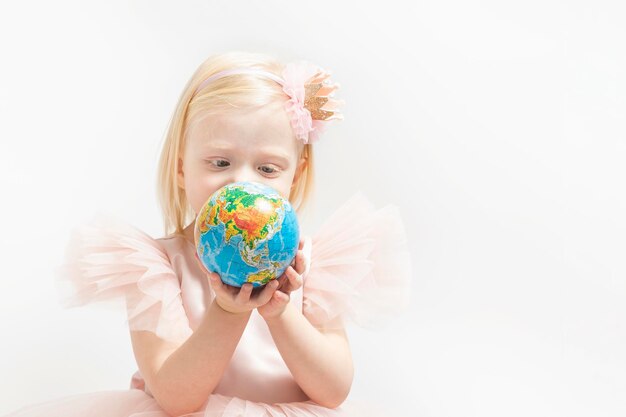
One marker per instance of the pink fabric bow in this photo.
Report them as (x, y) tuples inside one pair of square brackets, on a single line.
[(295, 76)]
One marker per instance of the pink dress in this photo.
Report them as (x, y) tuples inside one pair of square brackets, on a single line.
[(359, 270)]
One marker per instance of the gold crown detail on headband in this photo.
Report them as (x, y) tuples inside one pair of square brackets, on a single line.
[(317, 98), (311, 104)]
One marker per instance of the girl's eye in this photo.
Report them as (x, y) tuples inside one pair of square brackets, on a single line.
[(219, 163), (268, 169)]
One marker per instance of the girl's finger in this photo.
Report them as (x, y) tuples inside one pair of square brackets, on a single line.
[(244, 293), (281, 297), (299, 267), (295, 279), (306, 256), (286, 285), (266, 294), (216, 283), (282, 281)]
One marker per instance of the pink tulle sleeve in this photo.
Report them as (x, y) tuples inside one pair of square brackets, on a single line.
[(107, 259), (360, 268)]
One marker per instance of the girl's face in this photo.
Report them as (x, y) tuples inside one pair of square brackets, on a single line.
[(243, 145)]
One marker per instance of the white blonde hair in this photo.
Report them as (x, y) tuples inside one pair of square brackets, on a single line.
[(218, 97)]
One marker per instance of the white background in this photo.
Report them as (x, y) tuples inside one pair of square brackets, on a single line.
[(496, 127)]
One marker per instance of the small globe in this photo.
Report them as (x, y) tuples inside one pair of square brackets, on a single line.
[(247, 232)]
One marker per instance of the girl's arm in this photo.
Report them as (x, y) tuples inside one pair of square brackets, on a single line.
[(191, 373), (320, 361)]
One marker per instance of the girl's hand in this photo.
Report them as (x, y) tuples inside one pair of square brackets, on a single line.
[(290, 281), (238, 300)]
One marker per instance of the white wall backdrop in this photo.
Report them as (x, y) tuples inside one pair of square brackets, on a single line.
[(496, 127)]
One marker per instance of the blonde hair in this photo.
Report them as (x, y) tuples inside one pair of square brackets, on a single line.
[(222, 95)]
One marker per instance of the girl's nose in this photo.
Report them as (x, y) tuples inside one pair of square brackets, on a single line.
[(244, 174)]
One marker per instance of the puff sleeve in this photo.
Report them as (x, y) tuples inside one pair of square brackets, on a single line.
[(360, 268), (107, 259)]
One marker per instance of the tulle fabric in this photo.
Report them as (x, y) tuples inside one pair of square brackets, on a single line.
[(136, 403), (108, 259), (114, 403), (360, 267)]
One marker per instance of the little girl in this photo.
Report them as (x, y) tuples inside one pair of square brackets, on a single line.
[(204, 348)]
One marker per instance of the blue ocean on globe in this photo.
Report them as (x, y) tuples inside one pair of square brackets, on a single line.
[(247, 232)]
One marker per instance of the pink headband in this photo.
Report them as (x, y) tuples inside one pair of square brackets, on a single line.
[(310, 104)]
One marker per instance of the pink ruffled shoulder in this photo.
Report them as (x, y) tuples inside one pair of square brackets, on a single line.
[(107, 259), (360, 267)]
